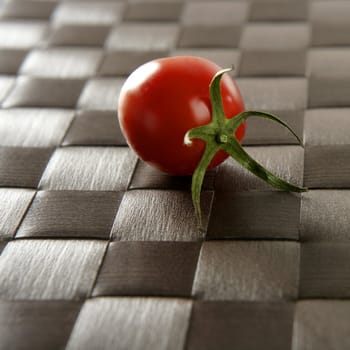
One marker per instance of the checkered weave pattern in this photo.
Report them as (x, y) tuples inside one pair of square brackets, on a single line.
[(101, 251)]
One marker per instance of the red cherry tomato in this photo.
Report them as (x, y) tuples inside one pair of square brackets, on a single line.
[(162, 100)]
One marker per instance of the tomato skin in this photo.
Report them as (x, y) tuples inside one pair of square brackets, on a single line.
[(163, 99)]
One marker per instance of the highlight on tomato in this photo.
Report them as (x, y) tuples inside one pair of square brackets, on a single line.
[(184, 115)]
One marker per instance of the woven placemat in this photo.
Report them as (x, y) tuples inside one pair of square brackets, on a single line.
[(101, 251)]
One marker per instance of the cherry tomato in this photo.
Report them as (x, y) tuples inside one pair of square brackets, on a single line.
[(163, 99)]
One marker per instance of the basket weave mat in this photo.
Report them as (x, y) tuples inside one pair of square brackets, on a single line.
[(100, 251)]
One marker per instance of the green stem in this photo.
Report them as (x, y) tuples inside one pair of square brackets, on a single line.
[(235, 150), (218, 115), (219, 134), (198, 176)]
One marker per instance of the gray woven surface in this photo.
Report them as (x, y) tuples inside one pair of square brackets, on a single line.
[(99, 251)]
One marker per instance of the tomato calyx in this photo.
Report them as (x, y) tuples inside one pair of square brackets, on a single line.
[(219, 134)]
